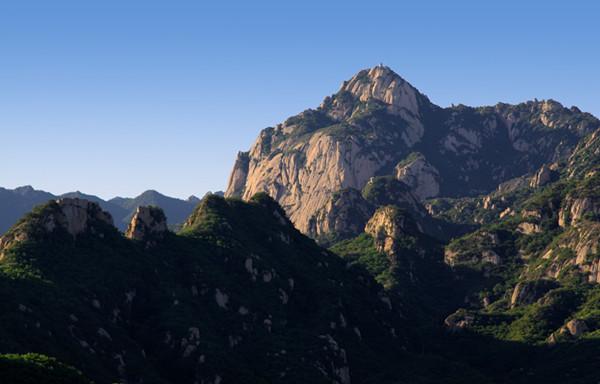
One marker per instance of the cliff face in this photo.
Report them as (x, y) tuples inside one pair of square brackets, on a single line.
[(302, 179), (239, 175), (378, 124), (148, 224), (343, 216), (421, 176), (73, 217), (574, 251), (387, 225), (576, 208)]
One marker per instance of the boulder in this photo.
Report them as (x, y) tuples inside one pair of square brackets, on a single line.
[(576, 327)]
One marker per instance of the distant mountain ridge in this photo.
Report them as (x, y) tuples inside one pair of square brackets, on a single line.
[(14, 203)]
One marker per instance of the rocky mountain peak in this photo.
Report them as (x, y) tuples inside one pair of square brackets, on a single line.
[(379, 84), (378, 124), (383, 84), (148, 223), (25, 189)]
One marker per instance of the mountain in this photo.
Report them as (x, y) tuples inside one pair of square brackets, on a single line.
[(389, 241), (484, 221), (378, 124), (525, 280), (238, 296), (14, 203), (17, 202)]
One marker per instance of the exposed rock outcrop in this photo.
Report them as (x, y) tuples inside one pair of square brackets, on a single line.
[(573, 329), (303, 181), (481, 247), (528, 292), (147, 224), (528, 228), (77, 216), (546, 174), (584, 157), (420, 176), (239, 175), (387, 225), (577, 247), (574, 209), (74, 216), (381, 84), (576, 327)]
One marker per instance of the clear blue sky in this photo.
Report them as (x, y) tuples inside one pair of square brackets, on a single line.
[(113, 97)]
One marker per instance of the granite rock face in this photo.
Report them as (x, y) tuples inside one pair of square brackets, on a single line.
[(387, 225), (147, 224), (238, 177), (78, 215), (528, 292), (73, 216), (581, 244), (343, 216), (545, 175), (574, 209), (420, 176)]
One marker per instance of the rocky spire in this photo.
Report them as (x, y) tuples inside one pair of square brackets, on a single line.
[(147, 224), (239, 175)]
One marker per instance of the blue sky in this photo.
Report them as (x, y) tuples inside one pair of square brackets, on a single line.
[(114, 97)]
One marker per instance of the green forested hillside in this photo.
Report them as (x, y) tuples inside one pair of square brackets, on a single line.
[(239, 295)]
